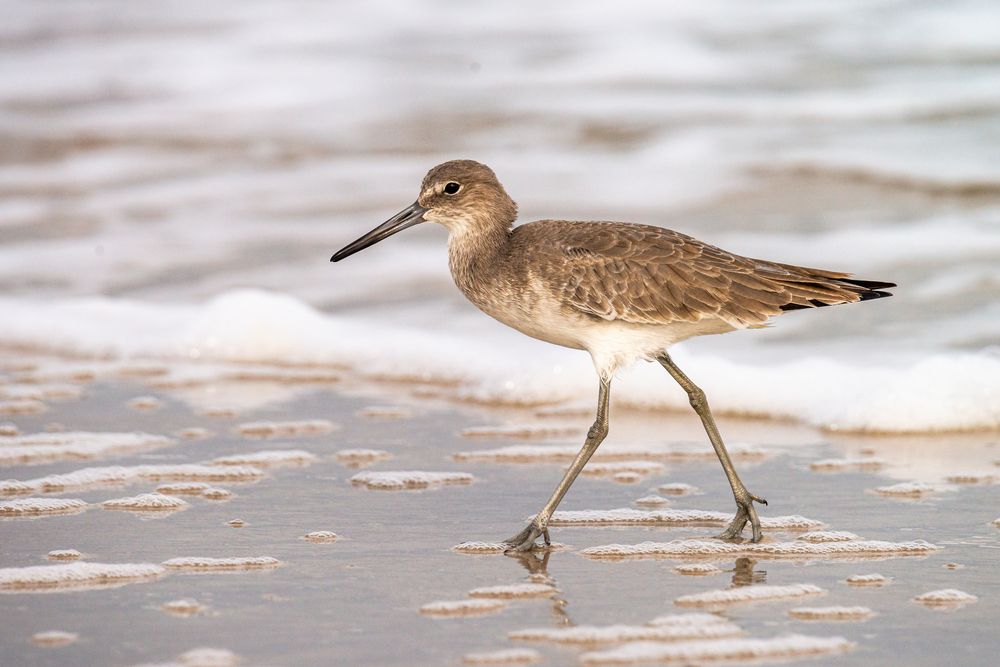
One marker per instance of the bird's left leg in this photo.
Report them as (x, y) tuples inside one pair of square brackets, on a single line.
[(539, 526), (744, 499)]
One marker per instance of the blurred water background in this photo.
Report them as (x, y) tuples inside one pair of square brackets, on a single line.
[(174, 177)]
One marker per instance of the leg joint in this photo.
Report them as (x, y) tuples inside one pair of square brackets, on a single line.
[(697, 397), (598, 431)]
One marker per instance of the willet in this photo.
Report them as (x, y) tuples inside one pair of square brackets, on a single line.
[(620, 291)]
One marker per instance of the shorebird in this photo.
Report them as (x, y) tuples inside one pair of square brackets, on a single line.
[(621, 291)]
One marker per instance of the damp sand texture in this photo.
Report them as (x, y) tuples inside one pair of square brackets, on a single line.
[(390, 590)]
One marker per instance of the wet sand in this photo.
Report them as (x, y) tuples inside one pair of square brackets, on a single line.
[(357, 599)]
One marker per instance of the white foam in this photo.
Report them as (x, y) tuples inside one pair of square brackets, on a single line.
[(182, 488), (947, 597), (795, 549), (236, 523), (209, 564), (604, 468), (54, 638), (215, 493), (832, 613), (285, 429), (183, 608), (820, 536), (786, 647), (39, 448), (672, 517), (971, 478), (7, 429), (651, 501), (756, 593), (482, 548), (867, 464), (41, 506), (64, 554), (385, 412), (320, 536), (75, 576), (359, 457), (146, 502), (510, 591), (145, 403), (510, 656), (267, 459), (462, 607), (874, 579), (677, 489), (616, 634), (908, 489), (194, 433), (22, 406), (688, 619), (409, 479)]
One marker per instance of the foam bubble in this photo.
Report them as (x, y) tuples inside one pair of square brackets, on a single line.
[(7, 429), (285, 429), (183, 608), (202, 657), (953, 566), (688, 619), (907, 490), (832, 613), (356, 458), (216, 493), (795, 549), (39, 448), (626, 516), (463, 607), (87, 478), (996, 522), (522, 431), (510, 656), (787, 647), (482, 548), (820, 536), (677, 489), (971, 478), (385, 412), (860, 464), (874, 580), (76, 576), (756, 593), (320, 536), (236, 523), (64, 554), (697, 569), (510, 591), (208, 564), (182, 488), (22, 406), (41, 507), (267, 459), (145, 403), (651, 501), (627, 477), (54, 638), (616, 634), (194, 433), (146, 502), (409, 479), (199, 472), (947, 597)]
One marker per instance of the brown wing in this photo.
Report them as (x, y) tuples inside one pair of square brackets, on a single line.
[(650, 275)]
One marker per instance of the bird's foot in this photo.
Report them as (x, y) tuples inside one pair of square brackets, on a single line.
[(745, 511), (525, 540)]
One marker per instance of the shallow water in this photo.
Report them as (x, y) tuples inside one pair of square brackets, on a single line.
[(356, 600)]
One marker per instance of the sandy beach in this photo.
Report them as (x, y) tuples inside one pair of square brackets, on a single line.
[(362, 596)]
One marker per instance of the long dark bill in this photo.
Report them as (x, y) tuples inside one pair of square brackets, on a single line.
[(412, 215)]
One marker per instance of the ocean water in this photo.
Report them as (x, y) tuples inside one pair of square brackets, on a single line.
[(174, 178)]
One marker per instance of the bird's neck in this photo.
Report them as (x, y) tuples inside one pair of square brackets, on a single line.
[(476, 252)]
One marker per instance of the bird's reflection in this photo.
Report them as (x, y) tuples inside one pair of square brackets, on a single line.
[(745, 575), (537, 565)]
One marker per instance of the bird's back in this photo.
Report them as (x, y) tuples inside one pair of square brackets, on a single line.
[(642, 274)]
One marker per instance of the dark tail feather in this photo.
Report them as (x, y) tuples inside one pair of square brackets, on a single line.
[(869, 289)]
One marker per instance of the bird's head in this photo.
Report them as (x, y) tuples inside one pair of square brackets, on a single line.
[(461, 195)]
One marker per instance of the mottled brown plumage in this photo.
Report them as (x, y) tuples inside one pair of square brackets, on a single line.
[(621, 291)]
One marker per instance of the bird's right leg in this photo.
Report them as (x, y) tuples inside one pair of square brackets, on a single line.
[(539, 526)]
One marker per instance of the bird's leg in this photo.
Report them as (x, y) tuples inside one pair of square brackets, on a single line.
[(744, 499), (539, 526)]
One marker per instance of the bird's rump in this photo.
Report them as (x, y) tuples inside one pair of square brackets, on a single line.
[(650, 275)]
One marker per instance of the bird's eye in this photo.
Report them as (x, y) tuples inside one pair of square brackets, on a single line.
[(451, 188)]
